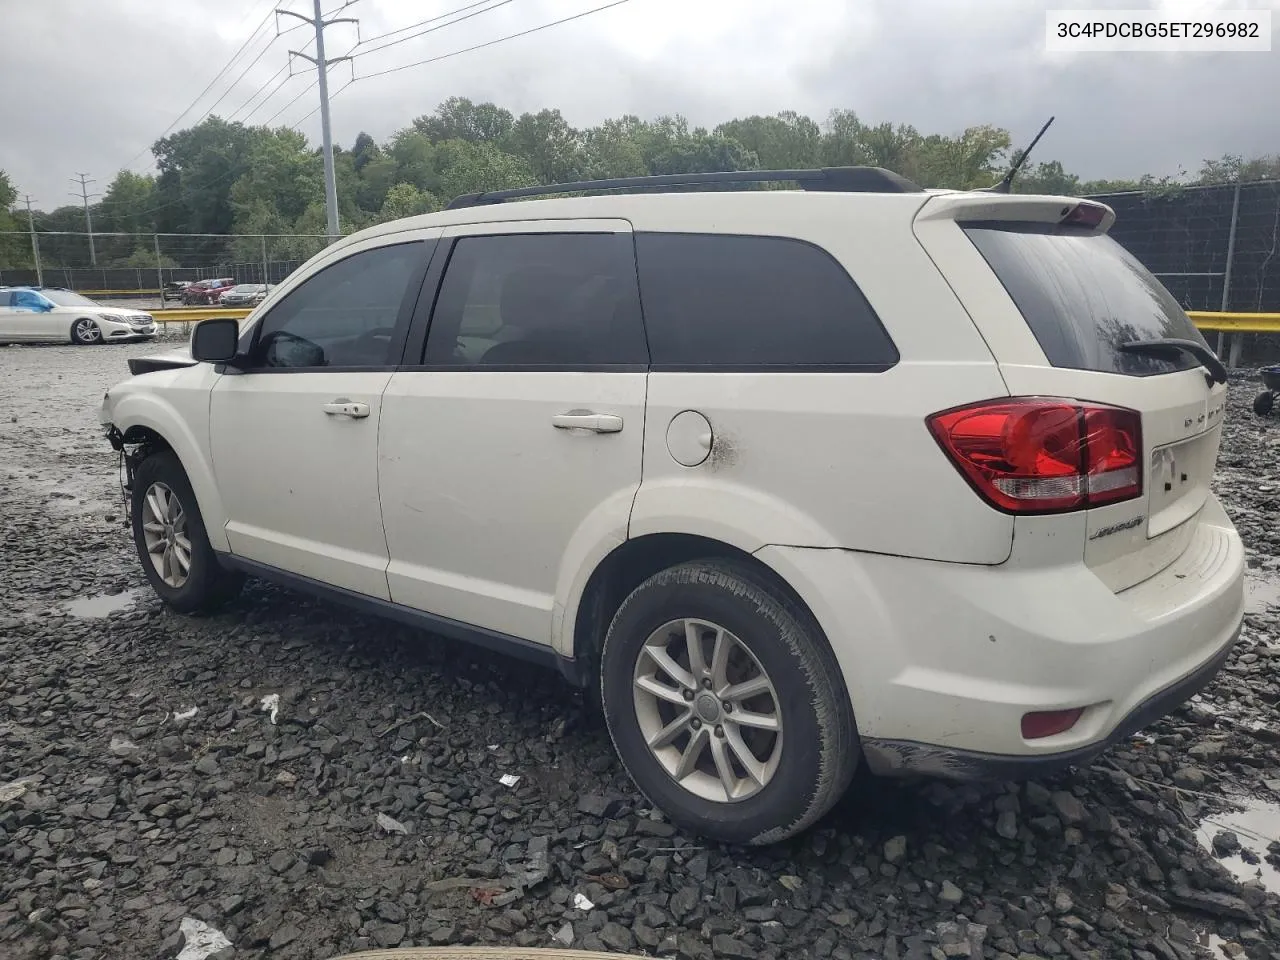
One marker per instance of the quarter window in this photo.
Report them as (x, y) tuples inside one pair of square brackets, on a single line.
[(343, 316), (755, 303), (540, 300)]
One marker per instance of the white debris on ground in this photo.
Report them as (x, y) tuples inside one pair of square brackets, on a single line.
[(200, 940), (271, 703)]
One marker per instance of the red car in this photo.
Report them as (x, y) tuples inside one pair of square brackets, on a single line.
[(207, 292)]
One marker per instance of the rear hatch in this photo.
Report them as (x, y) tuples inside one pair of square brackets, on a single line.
[(1068, 312)]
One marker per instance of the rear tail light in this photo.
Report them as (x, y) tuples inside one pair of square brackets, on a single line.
[(1033, 455)]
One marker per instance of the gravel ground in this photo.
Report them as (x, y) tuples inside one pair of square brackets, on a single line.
[(142, 781)]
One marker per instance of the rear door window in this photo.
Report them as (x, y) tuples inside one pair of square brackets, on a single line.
[(1083, 296), (714, 301), (543, 300)]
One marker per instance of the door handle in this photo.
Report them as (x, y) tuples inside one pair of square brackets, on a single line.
[(343, 407), (585, 420)]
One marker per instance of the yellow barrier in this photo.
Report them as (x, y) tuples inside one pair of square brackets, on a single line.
[(194, 314), (1236, 322)]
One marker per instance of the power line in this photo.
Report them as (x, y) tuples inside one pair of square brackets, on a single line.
[(253, 63), (423, 23), (248, 14), (305, 90), (227, 66), (332, 97), (236, 112), (490, 43)]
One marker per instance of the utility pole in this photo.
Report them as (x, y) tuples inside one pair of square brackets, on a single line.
[(35, 242), (322, 68), (83, 180)]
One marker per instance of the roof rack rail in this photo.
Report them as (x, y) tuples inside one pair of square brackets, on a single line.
[(832, 179)]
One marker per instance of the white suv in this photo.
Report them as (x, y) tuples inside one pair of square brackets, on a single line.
[(795, 479)]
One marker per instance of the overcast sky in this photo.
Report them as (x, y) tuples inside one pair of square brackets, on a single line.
[(94, 82)]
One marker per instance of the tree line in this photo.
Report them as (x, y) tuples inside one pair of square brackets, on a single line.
[(225, 178)]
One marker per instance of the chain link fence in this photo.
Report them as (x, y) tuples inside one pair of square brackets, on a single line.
[(142, 264), (1214, 247)]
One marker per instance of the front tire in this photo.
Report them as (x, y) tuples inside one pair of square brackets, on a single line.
[(726, 704), (170, 538), (1264, 402), (85, 331)]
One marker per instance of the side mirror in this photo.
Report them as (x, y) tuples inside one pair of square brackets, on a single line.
[(46, 306), (215, 341)]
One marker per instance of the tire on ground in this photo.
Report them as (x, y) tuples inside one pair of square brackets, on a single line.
[(75, 333), (208, 585), (820, 750), (1264, 402)]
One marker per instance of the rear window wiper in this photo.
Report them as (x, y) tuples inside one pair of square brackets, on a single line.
[(1166, 346)]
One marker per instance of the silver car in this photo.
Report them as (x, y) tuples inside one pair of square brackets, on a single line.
[(245, 295), (40, 314)]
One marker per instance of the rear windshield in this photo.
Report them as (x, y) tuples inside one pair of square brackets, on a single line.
[(1083, 295)]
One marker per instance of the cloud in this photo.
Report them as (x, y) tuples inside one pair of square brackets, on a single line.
[(103, 80)]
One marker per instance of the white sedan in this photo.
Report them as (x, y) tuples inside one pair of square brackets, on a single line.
[(29, 314)]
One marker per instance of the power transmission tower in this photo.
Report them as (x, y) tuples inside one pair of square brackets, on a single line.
[(35, 242), (322, 68), (83, 180)]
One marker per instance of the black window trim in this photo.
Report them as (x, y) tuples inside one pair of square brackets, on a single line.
[(424, 317), (864, 368), (405, 315)]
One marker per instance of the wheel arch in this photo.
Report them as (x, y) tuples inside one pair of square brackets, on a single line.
[(145, 420), (631, 563)]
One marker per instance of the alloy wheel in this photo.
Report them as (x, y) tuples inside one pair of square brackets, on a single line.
[(164, 530), (708, 710)]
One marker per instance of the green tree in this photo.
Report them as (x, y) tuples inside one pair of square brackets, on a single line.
[(842, 143), (552, 149), (376, 178), (460, 119), (616, 148), (364, 150), (976, 158), (1231, 168), (786, 141), (1048, 177), (282, 172), (468, 167), (127, 206), (897, 148), (15, 251), (406, 200), (197, 168), (415, 159)]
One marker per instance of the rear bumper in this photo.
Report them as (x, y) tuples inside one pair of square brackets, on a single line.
[(903, 757), (942, 660)]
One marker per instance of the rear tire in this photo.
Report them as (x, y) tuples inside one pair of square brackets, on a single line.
[(170, 538), (782, 752), (85, 331), (1264, 402)]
